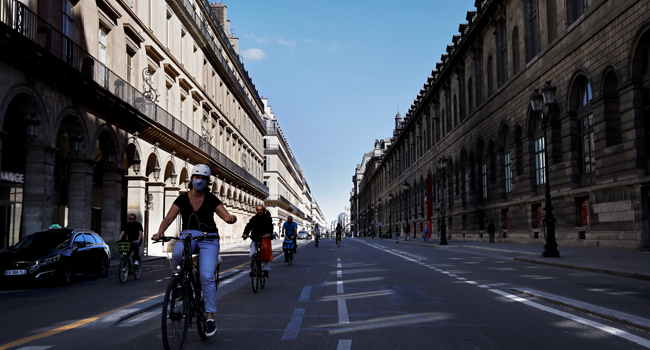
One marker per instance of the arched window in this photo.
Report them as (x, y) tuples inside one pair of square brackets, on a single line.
[(641, 71), (504, 144), (515, 51), (482, 165), (531, 13), (519, 151), (456, 120), (551, 20), (490, 76), (580, 103)]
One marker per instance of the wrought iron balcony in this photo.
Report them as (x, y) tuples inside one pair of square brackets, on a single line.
[(26, 23)]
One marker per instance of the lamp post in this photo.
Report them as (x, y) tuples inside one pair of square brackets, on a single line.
[(537, 101), (407, 187), (390, 218), (442, 165)]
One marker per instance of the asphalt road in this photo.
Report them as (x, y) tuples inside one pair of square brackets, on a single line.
[(366, 294)]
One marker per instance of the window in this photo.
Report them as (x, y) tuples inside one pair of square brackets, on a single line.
[(129, 67), (181, 111), (502, 53), (490, 77), (150, 14), (540, 161), (167, 28), (68, 19), (551, 20), (466, 186), (515, 51), (479, 76), (470, 95), (484, 182), (103, 35), (575, 9), (532, 31), (587, 153), (167, 93), (181, 46), (508, 171)]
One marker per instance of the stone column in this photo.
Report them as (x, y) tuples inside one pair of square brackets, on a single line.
[(171, 193), (38, 191), (111, 206), (135, 202), (80, 193), (157, 193)]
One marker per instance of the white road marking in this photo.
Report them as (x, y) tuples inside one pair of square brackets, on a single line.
[(471, 282), (343, 312), (338, 265), (483, 286), (49, 346), (141, 318), (344, 344), (461, 278), (339, 273), (232, 278), (304, 296), (611, 330), (338, 259), (339, 287), (452, 275), (291, 333)]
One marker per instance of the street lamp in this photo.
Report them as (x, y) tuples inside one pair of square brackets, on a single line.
[(110, 159), (77, 142), (172, 178), (407, 187), (390, 218), (442, 165), (547, 98), (156, 172), (32, 123), (136, 163)]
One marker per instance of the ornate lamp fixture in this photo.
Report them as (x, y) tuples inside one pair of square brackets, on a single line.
[(77, 141), (110, 159), (32, 123), (136, 163), (156, 171)]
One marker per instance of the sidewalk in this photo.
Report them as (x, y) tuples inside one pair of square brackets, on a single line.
[(626, 263)]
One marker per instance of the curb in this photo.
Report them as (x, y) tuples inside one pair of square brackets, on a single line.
[(154, 303), (612, 315), (635, 275)]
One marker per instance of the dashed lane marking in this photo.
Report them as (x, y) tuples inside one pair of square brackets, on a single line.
[(339, 274), (344, 344), (339, 287), (304, 296), (291, 333), (343, 312)]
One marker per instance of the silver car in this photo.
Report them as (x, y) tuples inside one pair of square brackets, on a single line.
[(304, 235)]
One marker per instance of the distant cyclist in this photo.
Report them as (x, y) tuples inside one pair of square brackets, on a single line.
[(132, 232), (289, 232), (197, 208), (317, 234), (339, 233), (262, 226)]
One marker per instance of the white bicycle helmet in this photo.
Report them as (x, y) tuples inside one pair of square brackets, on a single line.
[(201, 169)]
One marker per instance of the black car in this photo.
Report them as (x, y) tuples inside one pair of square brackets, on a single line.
[(58, 253)]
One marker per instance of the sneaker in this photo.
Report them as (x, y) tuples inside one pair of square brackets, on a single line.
[(266, 273), (136, 263), (210, 328)]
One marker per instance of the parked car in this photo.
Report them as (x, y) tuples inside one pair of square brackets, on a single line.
[(304, 235), (55, 254)]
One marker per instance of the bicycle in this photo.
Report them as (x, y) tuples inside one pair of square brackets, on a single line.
[(127, 266), (257, 274), (183, 299), (288, 247)]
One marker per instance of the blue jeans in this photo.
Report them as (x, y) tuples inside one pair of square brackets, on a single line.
[(208, 251)]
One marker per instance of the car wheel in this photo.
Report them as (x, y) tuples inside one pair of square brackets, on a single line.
[(67, 278), (102, 270)]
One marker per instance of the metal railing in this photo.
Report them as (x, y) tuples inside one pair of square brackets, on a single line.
[(20, 18)]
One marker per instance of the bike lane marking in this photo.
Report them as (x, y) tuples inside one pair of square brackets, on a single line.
[(611, 330), (304, 296), (70, 326), (339, 287)]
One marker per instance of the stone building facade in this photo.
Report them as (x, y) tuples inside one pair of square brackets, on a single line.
[(475, 109), (128, 96), (289, 192)]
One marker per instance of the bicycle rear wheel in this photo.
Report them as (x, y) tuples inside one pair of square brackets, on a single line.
[(175, 315), (254, 280), (123, 272), (261, 278)]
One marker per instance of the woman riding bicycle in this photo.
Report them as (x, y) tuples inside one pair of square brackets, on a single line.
[(197, 207)]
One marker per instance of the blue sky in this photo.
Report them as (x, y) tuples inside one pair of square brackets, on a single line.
[(334, 71)]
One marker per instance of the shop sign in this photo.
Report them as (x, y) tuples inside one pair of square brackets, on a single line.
[(12, 177)]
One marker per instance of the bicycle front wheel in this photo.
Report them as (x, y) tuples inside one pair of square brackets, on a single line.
[(175, 315), (137, 271), (123, 271), (254, 280)]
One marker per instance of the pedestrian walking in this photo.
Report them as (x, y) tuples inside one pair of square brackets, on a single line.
[(425, 234), (491, 230)]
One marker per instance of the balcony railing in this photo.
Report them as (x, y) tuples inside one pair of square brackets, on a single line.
[(20, 18)]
